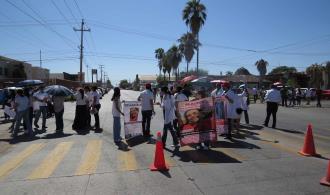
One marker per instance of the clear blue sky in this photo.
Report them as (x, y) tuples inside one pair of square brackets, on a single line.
[(124, 34)]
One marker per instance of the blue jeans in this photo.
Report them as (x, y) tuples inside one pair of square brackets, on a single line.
[(42, 110), (116, 129), (25, 116)]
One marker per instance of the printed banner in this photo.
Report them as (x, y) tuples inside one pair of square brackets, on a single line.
[(196, 121), (220, 115), (132, 119)]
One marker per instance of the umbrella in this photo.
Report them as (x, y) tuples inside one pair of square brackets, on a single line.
[(201, 80), (26, 83), (188, 79), (277, 83), (219, 81), (58, 90), (242, 86)]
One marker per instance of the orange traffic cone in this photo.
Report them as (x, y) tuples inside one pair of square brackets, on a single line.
[(159, 162), (326, 180), (309, 148)]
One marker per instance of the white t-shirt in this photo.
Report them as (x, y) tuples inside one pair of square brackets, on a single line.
[(40, 96), (217, 93), (254, 91), (180, 97), (116, 112), (168, 105), (231, 107), (146, 96), (90, 97), (97, 95), (243, 98), (81, 101)]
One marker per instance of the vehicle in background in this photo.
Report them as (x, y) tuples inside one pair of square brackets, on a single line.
[(326, 94)]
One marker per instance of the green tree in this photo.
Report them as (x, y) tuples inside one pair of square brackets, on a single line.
[(124, 84), (315, 72), (201, 72), (242, 71), (167, 67), (283, 70), (194, 15), (159, 54), (136, 83), (174, 58), (229, 73), (187, 44), (262, 68), (327, 69)]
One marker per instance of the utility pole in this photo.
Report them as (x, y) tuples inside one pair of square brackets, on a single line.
[(87, 72), (40, 59), (101, 67), (82, 30)]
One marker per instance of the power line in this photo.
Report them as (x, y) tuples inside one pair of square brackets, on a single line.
[(80, 12), (68, 7), (47, 27)]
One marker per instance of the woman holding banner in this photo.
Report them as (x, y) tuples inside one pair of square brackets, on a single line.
[(168, 105), (116, 112)]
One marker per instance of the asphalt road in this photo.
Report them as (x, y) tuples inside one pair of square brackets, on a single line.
[(258, 161)]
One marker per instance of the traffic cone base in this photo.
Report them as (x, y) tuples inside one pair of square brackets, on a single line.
[(154, 168), (325, 182)]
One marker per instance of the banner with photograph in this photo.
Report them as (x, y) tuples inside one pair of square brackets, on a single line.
[(132, 119), (220, 115), (196, 121)]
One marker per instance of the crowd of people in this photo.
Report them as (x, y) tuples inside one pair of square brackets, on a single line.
[(26, 106)]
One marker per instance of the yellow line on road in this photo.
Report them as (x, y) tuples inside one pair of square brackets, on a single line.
[(18, 160), (127, 161), (51, 161), (91, 158)]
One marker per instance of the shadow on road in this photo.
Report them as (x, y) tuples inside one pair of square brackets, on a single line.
[(251, 126), (136, 141), (56, 135), (290, 131), (234, 144)]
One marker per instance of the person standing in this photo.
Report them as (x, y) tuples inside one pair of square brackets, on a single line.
[(273, 98), (231, 107), (255, 94), (58, 102), (80, 119), (90, 100), (116, 112), (298, 96), (218, 91), (168, 105), (178, 97), (147, 108), (42, 97), (284, 96), (22, 112), (96, 107), (308, 95), (245, 102), (318, 97)]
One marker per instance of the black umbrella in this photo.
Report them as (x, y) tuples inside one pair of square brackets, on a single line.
[(27, 83), (58, 90)]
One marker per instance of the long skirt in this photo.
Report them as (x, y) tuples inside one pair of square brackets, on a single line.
[(81, 118)]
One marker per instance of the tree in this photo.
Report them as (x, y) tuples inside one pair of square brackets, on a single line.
[(159, 54), (242, 71), (136, 83), (187, 44), (194, 15), (124, 84), (167, 67), (201, 72), (315, 72), (109, 85), (174, 58), (229, 73), (283, 70), (327, 69), (262, 68)]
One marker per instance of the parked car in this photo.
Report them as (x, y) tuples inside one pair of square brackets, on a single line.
[(326, 94)]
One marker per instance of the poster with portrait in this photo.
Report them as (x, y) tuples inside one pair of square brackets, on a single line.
[(220, 115), (196, 121), (132, 119)]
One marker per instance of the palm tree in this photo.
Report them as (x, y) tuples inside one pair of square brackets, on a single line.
[(262, 68), (167, 67), (187, 45), (159, 54), (315, 72), (174, 58), (194, 15)]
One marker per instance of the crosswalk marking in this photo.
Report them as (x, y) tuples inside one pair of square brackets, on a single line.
[(51, 161), (127, 161), (91, 158), (18, 160)]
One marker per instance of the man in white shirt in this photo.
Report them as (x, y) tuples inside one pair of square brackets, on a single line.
[(96, 105), (218, 91), (178, 97), (147, 107), (273, 98), (42, 97), (255, 94), (308, 95), (90, 99), (232, 99)]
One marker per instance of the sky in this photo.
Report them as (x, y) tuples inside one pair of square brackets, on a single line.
[(124, 34)]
